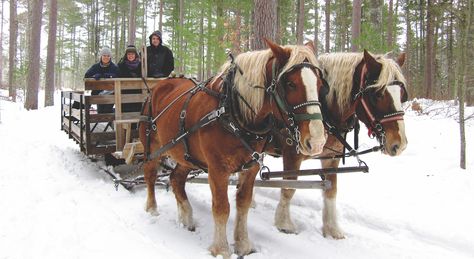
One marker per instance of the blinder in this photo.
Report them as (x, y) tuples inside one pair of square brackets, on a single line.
[(277, 92)]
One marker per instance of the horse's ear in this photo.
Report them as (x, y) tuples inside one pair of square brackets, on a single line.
[(373, 66), (280, 54), (310, 45), (401, 59)]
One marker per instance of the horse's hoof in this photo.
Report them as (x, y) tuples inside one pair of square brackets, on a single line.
[(244, 248), (220, 250), (335, 233), (285, 226), (288, 230), (152, 211)]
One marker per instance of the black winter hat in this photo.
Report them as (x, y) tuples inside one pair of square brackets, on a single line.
[(132, 48), (156, 33)]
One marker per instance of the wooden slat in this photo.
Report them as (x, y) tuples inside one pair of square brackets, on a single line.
[(100, 150), (119, 131), (101, 99), (102, 84), (127, 83), (133, 98), (101, 136), (103, 117), (76, 113), (76, 130), (76, 96)]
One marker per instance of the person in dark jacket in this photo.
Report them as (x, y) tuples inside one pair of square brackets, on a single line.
[(104, 69), (160, 61), (130, 67)]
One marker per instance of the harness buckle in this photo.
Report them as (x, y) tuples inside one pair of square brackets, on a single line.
[(182, 115), (232, 126), (217, 113)]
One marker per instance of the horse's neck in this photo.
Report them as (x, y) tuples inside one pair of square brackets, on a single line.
[(343, 117)]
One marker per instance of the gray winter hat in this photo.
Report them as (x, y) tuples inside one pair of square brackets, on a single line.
[(105, 51)]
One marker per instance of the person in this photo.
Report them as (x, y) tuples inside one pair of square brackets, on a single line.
[(160, 61), (105, 68), (130, 67)]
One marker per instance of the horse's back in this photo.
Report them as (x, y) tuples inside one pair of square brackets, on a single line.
[(168, 90)]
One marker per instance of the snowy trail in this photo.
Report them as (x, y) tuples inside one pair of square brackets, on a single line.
[(56, 204)]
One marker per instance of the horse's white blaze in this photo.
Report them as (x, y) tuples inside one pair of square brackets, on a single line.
[(395, 92), (316, 127)]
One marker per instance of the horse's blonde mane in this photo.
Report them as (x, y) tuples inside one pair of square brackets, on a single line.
[(253, 65), (339, 70)]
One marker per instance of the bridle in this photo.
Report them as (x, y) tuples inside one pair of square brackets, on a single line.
[(375, 124), (276, 91)]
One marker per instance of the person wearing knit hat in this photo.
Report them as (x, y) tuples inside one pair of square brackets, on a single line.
[(105, 68), (160, 60), (130, 67)]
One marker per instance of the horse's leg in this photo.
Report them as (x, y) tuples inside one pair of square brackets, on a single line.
[(330, 225), (218, 182), (150, 171), (283, 220), (243, 246), (185, 211)]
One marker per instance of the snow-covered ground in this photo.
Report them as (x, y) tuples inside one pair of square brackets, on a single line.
[(55, 202)]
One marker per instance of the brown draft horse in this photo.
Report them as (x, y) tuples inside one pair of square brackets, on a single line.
[(281, 82), (369, 87)]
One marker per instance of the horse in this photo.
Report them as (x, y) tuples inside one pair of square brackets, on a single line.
[(368, 87), (223, 126)]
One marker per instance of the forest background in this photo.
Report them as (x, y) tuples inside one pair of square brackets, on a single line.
[(50, 44)]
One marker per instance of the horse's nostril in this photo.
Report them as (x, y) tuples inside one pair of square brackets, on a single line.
[(394, 149), (308, 144)]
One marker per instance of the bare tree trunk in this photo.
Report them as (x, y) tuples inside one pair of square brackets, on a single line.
[(316, 27), (265, 22), (12, 50), (51, 56), (390, 25), (1, 48), (429, 58), (408, 51), (450, 55), (356, 17), (464, 83), (300, 23), (160, 26), (209, 39), (328, 20), (181, 37), (132, 26), (238, 25), (200, 74), (33, 77)]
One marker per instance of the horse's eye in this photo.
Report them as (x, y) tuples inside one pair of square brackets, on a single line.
[(379, 94), (291, 85)]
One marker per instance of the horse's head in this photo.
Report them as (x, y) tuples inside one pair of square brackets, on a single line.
[(381, 92), (294, 80)]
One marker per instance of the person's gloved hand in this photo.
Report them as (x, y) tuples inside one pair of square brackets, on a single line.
[(108, 75), (97, 76)]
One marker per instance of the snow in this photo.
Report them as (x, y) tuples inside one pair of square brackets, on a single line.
[(56, 203)]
